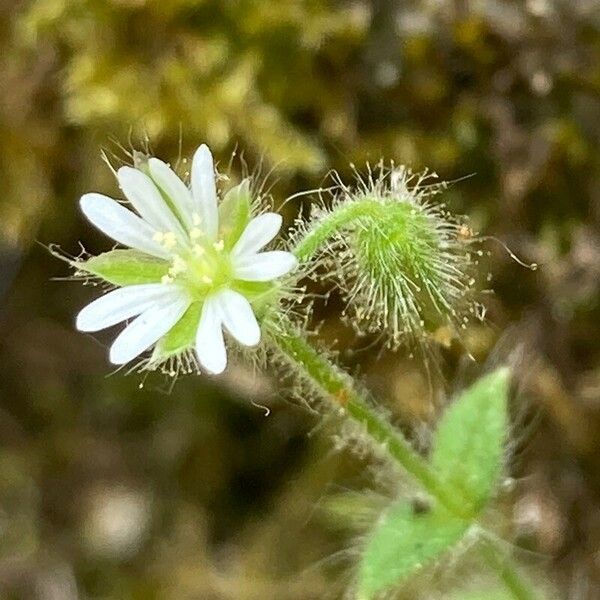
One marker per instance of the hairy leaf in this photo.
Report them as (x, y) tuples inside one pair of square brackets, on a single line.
[(468, 446), (402, 543)]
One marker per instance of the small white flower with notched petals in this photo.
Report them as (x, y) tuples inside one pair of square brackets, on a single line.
[(193, 267)]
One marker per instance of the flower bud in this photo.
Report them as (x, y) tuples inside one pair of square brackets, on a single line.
[(405, 266)]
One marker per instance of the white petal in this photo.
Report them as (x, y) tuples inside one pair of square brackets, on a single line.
[(263, 266), (204, 190), (258, 233), (147, 329), (123, 303), (172, 186), (238, 317), (121, 224), (210, 346), (146, 199)]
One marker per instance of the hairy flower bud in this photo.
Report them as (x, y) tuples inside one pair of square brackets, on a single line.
[(405, 266)]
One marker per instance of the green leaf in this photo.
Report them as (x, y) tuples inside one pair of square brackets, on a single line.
[(402, 543), (468, 446), (234, 212), (125, 267), (181, 337)]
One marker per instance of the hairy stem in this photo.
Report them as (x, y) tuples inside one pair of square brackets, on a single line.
[(507, 572), (336, 385), (333, 223)]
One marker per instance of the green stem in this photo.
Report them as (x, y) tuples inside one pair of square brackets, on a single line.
[(507, 571), (336, 385), (332, 223)]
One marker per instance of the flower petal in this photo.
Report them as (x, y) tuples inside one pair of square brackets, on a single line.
[(210, 346), (121, 224), (204, 190), (258, 233), (172, 186), (238, 317), (147, 201), (147, 329), (263, 266), (123, 303)]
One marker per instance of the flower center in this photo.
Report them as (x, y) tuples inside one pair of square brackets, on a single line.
[(200, 266)]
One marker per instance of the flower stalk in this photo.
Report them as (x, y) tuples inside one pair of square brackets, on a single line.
[(331, 382), (497, 560), (312, 243)]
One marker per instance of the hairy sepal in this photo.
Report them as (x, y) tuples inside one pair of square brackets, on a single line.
[(404, 265), (124, 267), (181, 338), (235, 212)]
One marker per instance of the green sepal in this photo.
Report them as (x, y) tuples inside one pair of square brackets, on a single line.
[(235, 213), (181, 337), (261, 294), (403, 542), (468, 446), (253, 290), (125, 267)]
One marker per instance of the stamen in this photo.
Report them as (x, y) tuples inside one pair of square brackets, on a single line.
[(169, 240), (195, 233), (218, 246), (179, 266), (165, 279), (196, 219)]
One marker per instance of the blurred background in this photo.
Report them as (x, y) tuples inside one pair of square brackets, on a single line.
[(115, 487)]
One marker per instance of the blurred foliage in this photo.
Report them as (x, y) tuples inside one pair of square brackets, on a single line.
[(109, 491)]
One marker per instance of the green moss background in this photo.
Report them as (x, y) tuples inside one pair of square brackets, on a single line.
[(109, 490)]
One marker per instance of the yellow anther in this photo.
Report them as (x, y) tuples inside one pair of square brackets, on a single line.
[(218, 246), (179, 265), (169, 240), (195, 233), (206, 279), (159, 236), (198, 250), (196, 219), (166, 279)]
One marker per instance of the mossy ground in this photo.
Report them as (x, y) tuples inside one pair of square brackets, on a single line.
[(223, 498)]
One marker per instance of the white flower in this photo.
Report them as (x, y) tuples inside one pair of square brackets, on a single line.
[(207, 264)]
